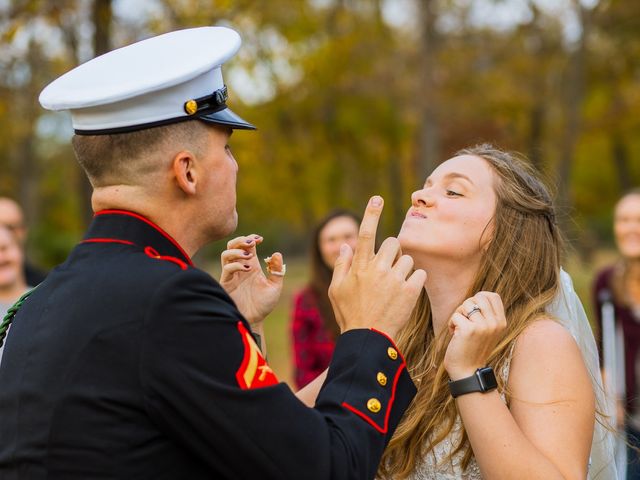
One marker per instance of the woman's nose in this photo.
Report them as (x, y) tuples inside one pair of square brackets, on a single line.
[(421, 198)]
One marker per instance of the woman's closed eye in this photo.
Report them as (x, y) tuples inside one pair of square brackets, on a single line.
[(451, 193)]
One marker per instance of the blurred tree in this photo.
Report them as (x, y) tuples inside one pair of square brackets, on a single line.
[(574, 91), (101, 18), (607, 157), (26, 68), (352, 98), (429, 155)]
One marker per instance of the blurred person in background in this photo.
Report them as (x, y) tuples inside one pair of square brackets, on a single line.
[(314, 328), (12, 217), (12, 281), (616, 295)]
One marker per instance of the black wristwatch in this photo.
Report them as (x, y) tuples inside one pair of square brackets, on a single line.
[(484, 380)]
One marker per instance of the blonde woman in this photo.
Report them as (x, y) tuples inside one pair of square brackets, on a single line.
[(483, 227), (499, 327)]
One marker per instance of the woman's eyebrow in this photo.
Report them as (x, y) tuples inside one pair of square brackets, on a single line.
[(448, 176), (458, 175)]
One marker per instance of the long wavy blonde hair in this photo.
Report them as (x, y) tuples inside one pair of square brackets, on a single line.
[(521, 264)]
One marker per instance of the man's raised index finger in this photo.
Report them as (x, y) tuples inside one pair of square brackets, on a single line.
[(367, 235)]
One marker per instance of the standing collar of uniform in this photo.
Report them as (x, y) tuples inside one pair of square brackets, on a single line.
[(122, 226)]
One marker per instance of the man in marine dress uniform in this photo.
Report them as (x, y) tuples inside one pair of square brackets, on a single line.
[(128, 362)]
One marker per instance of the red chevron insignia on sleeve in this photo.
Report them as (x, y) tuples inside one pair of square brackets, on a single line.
[(254, 371)]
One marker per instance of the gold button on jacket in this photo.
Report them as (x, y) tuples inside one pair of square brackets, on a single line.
[(382, 378), (374, 405), (392, 352)]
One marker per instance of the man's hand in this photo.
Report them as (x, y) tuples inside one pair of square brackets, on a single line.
[(254, 293), (370, 290)]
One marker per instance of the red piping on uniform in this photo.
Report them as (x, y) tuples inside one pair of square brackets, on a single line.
[(153, 253), (107, 240), (150, 223), (392, 342), (365, 417), (393, 395)]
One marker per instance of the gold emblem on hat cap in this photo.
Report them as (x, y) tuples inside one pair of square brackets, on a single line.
[(191, 107)]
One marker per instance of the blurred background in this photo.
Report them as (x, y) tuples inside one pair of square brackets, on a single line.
[(351, 98)]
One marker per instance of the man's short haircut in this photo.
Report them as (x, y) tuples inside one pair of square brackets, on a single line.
[(126, 158)]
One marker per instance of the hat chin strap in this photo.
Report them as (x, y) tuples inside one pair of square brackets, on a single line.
[(211, 103)]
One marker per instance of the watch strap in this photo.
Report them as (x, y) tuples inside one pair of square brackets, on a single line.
[(474, 383)]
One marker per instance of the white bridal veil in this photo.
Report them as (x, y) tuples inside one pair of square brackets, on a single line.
[(568, 309)]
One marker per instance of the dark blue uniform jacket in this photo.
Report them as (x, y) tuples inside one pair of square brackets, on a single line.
[(129, 363)]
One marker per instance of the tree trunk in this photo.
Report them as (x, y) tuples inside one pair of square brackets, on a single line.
[(574, 94), (101, 17), (537, 115), (27, 165), (429, 131), (538, 88), (620, 155), (398, 202), (28, 174)]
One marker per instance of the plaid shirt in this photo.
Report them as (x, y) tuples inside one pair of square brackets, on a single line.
[(312, 344)]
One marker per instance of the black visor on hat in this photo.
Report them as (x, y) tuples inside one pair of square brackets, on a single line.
[(228, 118)]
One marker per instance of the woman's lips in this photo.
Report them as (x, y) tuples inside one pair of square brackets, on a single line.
[(416, 214)]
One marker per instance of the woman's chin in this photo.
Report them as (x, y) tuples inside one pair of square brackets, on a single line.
[(409, 245), (8, 280), (405, 241)]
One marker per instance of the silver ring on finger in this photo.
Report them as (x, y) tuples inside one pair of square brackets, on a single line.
[(474, 309)]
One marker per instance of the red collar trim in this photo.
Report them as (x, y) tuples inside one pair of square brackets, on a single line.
[(107, 240), (151, 224)]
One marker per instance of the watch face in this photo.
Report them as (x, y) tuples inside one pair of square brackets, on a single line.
[(487, 379)]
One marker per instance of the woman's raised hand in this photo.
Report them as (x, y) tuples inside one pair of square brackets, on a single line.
[(476, 326), (242, 277)]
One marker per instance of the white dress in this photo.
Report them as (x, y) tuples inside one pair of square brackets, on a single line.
[(436, 464)]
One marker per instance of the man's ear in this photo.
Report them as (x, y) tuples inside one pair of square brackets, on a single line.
[(185, 171)]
